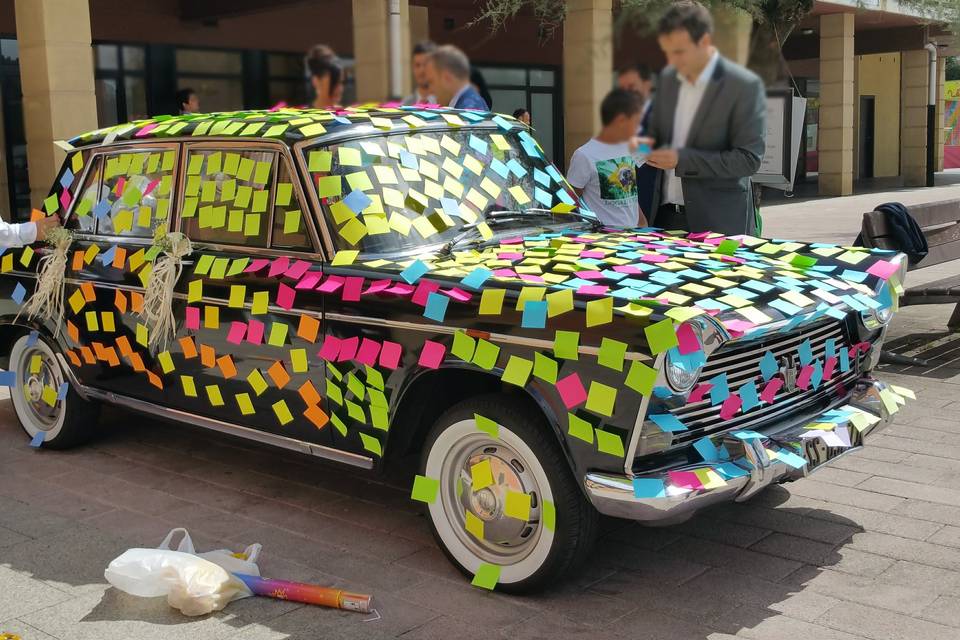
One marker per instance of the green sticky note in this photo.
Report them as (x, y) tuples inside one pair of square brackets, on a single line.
[(517, 505), (195, 164), (284, 191), (334, 392), (566, 344), (517, 371), (487, 576), (661, 336), (641, 378), (612, 353), (371, 444), (463, 346), (245, 169), (349, 157), (491, 302), (291, 221), (219, 268), (425, 489), (329, 186), (203, 265), (189, 207), (599, 312), (804, 262), (319, 161), (481, 475), (579, 428), (251, 225), (601, 398), (278, 334), (208, 191), (242, 199), (727, 247), (214, 162), (488, 426), (609, 443), (359, 181), (548, 515), (486, 354), (545, 368), (298, 360), (261, 174), (355, 387)]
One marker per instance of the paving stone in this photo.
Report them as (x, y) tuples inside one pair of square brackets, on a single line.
[(932, 463), (912, 550), (649, 565), (948, 536), (734, 558), (936, 449), (898, 470), (870, 591), (880, 624), (930, 511), (794, 548), (843, 477), (934, 579), (778, 627), (22, 594), (10, 537), (944, 611), (912, 490), (468, 604), (810, 488), (707, 527), (23, 630), (789, 521)]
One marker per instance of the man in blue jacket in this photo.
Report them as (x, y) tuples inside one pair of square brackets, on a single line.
[(451, 79)]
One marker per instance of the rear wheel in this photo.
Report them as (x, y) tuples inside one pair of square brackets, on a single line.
[(65, 422), (483, 525)]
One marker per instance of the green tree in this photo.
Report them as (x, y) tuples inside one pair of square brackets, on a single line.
[(952, 68)]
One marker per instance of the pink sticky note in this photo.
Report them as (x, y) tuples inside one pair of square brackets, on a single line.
[(278, 266), (699, 392), (829, 366), (367, 353), (145, 130), (882, 269), (309, 281), (297, 269), (627, 268), (459, 295), (256, 264), (424, 289), (571, 391), (770, 390), (331, 284), (193, 318), (432, 354), (348, 349), (390, 354), (119, 187), (65, 199), (514, 240), (377, 286), (351, 288), (150, 187), (330, 348), (590, 275), (741, 326), (803, 380), (685, 479), (592, 290), (730, 406), (687, 339), (401, 289), (255, 331), (237, 331), (592, 254), (505, 273), (285, 296), (510, 256), (530, 277)]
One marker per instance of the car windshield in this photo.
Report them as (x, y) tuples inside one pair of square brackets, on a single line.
[(399, 192)]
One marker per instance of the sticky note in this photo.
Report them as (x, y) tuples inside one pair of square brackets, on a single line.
[(612, 353), (491, 302), (649, 488), (566, 344), (667, 422), (473, 525), (517, 505), (517, 371), (425, 489), (599, 312), (545, 368), (463, 345), (481, 475), (436, 308), (571, 390), (534, 315), (486, 354), (641, 378), (487, 576), (601, 398), (431, 355), (661, 336), (609, 443), (488, 426)]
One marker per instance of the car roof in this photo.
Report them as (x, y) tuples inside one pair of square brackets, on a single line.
[(292, 125)]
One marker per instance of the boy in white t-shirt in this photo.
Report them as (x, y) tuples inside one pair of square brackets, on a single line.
[(603, 170)]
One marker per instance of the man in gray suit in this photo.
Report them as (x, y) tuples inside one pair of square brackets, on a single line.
[(708, 121)]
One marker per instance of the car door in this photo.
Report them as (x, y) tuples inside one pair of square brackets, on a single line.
[(247, 343)]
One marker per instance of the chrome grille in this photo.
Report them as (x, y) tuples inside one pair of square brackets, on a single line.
[(742, 364)]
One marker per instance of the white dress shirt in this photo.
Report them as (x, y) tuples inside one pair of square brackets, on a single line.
[(688, 101), (17, 235)]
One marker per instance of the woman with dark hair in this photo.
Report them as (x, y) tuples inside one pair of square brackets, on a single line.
[(326, 76), (480, 85), (522, 115)]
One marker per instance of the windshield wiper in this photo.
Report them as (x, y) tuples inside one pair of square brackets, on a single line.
[(548, 213)]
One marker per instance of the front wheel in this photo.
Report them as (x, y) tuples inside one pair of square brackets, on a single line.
[(65, 420), (506, 498)]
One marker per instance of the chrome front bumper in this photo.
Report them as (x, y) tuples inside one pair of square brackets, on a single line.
[(620, 496)]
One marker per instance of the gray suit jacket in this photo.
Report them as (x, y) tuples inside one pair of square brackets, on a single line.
[(723, 149)]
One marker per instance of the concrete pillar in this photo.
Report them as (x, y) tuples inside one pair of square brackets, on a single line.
[(914, 92), (587, 67), (731, 33), (941, 130), (56, 77), (419, 24), (835, 133), (371, 48)]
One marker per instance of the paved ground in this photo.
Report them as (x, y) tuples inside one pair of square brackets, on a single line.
[(868, 548)]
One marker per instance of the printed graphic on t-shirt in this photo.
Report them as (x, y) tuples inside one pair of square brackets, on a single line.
[(617, 178)]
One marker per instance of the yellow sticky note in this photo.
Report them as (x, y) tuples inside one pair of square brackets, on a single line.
[(491, 302), (473, 525), (213, 393), (519, 194), (238, 294), (166, 361), (142, 334), (36, 362), (481, 475), (599, 312), (278, 334), (261, 300), (195, 290), (349, 157), (244, 403), (257, 382), (517, 505), (298, 360), (559, 302), (189, 386), (211, 317), (283, 411)]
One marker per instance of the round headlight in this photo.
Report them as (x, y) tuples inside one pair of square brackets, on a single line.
[(875, 318), (683, 371)]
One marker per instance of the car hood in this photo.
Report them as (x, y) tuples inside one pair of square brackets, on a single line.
[(744, 283)]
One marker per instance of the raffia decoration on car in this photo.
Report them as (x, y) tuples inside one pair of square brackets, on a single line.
[(47, 299), (158, 296)]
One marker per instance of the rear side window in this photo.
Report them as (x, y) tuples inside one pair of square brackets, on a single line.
[(228, 196), (134, 192)]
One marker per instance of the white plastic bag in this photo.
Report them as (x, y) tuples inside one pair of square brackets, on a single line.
[(194, 583)]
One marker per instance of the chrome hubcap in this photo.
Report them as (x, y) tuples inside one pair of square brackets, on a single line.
[(40, 379)]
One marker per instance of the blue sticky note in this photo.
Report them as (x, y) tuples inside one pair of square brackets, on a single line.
[(450, 207), (62, 391), (476, 278), (503, 123), (436, 306), (719, 389), (409, 161), (662, 392), (707, 449), (38, 439), (749, 396), (8, 379), (66, 179), (830, 347), (768, 366), (747, 435), (534, 314), (785, 307), (499, 168), (791, 459), (817, 377), (32, 338), (357, 201), (19, 292), (648, 488), (413, 273), (552, 171), (805, 351), (844, 360), (106, 257), (516, 168), (101, 209), (731, 470), (478, 144), (543, 197), (667, 422), (541, 177)]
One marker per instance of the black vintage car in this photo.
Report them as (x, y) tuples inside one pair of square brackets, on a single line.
[(371, 282)]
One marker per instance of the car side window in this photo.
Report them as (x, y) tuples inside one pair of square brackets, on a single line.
[(84, 218), (289, 225), (228, 196), (134, 194)]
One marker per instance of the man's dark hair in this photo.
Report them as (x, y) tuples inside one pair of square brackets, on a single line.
[(689, 16), (322, 61), (424, 46), (639, 68), (183, 96), (519, 112), (617, 102)]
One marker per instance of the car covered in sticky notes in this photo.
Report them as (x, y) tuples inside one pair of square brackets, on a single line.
[(371, 283)]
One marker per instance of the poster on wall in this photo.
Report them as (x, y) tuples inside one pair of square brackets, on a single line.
[(784, 127)]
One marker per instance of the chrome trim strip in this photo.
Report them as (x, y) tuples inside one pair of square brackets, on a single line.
[(641, 417), (213, 424)]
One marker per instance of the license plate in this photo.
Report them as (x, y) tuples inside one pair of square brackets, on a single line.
[(817, 453)]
